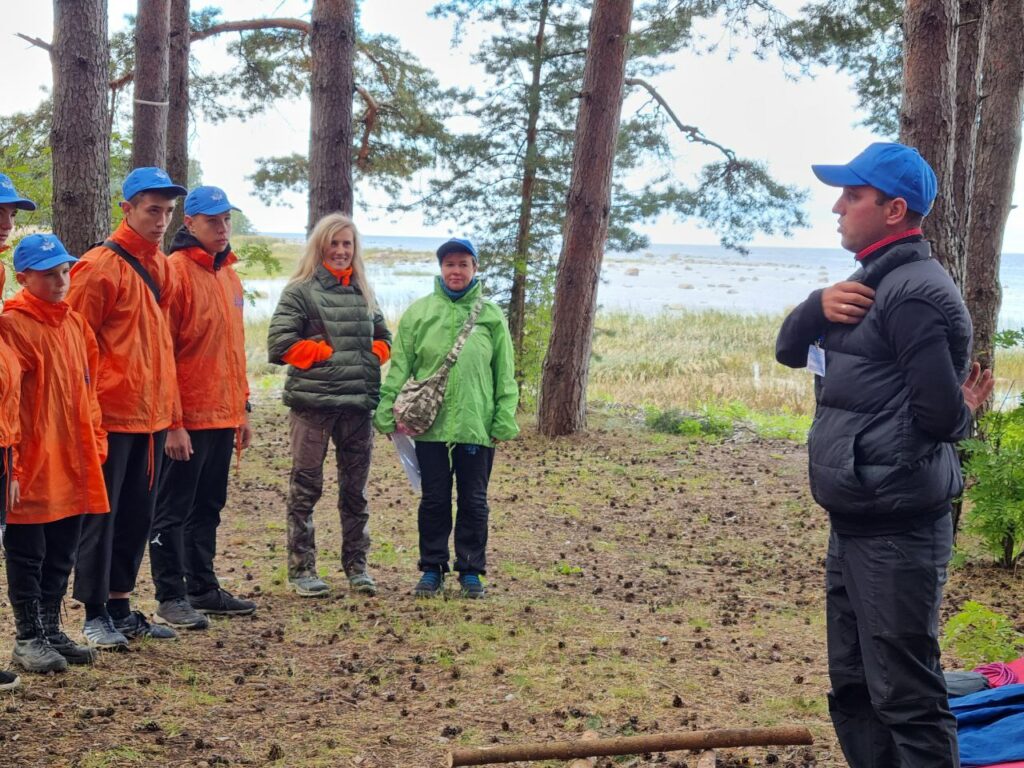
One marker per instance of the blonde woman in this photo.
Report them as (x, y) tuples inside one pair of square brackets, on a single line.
[(330, 332)]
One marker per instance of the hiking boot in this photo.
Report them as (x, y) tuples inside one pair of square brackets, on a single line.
[(9, 681), (308, 585), (49, 615), (100, 633), (135, 626), (362, 583), (472, 587), (220, 602), (32, 651), (178, 612), (431, 584)]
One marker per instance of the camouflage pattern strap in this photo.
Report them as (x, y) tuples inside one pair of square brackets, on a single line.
[(460, 340)]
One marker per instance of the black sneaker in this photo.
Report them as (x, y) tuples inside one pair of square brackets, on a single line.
[(220, 602), (178, 612), (9, 681), (135, 625)]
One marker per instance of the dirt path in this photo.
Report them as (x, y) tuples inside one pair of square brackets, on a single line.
[(638, 583)]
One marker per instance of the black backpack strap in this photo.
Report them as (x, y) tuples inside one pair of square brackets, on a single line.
[(135, 264)]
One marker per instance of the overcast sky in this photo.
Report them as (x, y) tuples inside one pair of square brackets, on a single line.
[(744, 103)]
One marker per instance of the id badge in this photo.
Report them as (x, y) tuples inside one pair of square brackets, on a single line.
[(816, 360)]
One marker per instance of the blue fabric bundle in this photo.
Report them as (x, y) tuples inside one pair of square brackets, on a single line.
[(990, 725)]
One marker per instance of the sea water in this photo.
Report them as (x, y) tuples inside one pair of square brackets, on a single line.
[(662, 278)]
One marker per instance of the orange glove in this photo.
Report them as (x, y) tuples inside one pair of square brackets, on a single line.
[(382, 351), (302, 354)]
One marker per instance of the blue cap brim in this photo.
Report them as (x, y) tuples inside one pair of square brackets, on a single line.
[(838, 176), (50, 263), (214, 210), (21, 203), (172, 189)]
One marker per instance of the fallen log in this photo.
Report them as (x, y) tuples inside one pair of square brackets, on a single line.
[(630, 745), (585, 762)]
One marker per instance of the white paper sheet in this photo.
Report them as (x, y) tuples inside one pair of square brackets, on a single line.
[(407, 457)]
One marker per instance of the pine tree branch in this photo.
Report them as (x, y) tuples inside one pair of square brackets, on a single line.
[(693, 133)]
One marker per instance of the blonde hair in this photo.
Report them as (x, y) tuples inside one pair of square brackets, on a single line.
[(317, 243)]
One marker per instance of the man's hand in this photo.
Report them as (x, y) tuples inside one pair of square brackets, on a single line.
[(244, 437), (14, 492), (978, 387), (178, 445), (846, 302)]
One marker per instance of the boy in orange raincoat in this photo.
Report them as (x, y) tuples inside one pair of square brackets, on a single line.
[(58, 459), (10, 380), (122, 288), (209, 352)]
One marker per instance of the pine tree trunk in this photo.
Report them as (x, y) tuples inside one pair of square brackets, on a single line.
[(79, 141), (332, 44), (997, 154), (517, 302), (178, 109), (149, 126), (928, 114), (563, 396), (971, 36)]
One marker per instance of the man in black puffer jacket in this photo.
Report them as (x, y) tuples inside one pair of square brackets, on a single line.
[(895, 391)]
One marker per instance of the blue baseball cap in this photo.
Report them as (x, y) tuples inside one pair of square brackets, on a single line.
[(9, 195), (150, 179), (41, 252), (895, 169), (457, 245), (210, 201)]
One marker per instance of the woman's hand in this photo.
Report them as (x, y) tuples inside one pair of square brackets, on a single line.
[(14, 492)]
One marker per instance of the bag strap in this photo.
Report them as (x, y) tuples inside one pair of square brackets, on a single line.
[(460, 340), (135, 264)]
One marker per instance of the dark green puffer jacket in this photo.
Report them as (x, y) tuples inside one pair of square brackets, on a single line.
[(321, 308)]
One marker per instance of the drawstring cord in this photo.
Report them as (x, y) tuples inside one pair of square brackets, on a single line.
[(238, 450), (151, 468)]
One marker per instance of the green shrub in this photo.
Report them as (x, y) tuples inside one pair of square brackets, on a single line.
[(995, 469), (979, 635)]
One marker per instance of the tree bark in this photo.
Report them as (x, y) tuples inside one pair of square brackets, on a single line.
[(928, 114), (332, 46), (517, 301), (149, 126), (997, 154), (79, 141), (972, 32), (563, 395), (178, 108)]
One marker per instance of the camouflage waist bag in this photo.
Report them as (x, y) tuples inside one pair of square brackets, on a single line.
[(419, 402)]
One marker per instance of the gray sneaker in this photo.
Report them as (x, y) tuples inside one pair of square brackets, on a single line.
[(308, 585), (363, 584), (178, 612), (100, 633), (135, 625)]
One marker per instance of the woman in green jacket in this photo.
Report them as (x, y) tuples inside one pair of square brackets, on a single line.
[(478, 411), (329, 330)]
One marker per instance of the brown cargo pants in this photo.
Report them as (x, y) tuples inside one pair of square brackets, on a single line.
[(311, 431)]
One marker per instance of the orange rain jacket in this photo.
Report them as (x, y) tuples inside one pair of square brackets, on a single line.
[(205, 316), (10, 385), (10, 396), (136, 385), (63, 445)]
